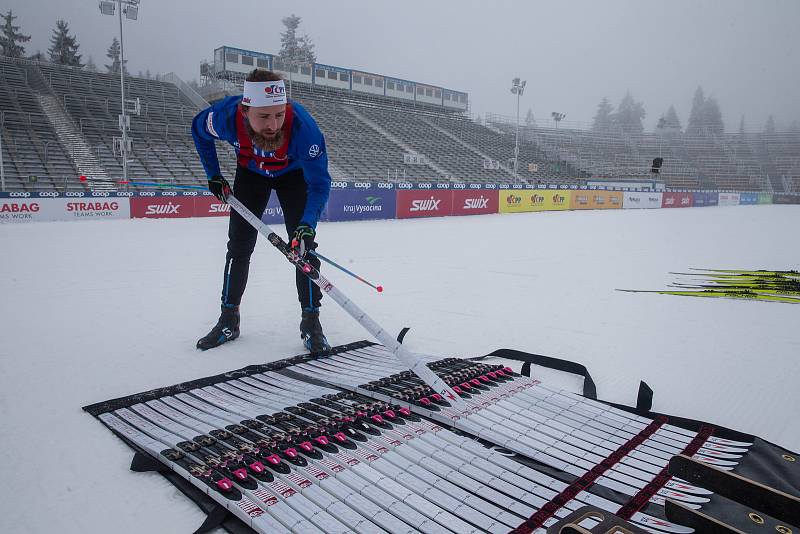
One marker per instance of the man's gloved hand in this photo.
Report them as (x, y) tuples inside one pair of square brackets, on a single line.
[(220, 187), (302, 239)]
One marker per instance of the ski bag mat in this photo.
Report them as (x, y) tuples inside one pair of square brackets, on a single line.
[(349, 440)]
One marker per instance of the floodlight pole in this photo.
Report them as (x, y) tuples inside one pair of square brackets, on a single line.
[(124, 125), (2, 167), (517, 88)]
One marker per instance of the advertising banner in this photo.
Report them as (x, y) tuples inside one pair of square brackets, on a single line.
[(474, 202), (162, 206), (785, 198), (424, 203), (672, 199), (595, 200), (25, 210), (526, 200), (274, 213), (712, 199), (700, 200), (765, 198), (729, 199), (641, 200), (358, 204), (207, 205), (746, 199), (52, 206)]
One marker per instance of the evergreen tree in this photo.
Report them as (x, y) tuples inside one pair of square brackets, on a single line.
[(741, 126), (769, 128), (713, 117), (63, 46), (295, 49), (10, 37), (697, 114), (794, 127), (603, 117), (671, 120), (148, 74), (629, 115), (114, 52), (90, 65), (529, 120)]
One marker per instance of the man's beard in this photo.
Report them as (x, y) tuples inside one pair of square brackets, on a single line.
[(268, 144)]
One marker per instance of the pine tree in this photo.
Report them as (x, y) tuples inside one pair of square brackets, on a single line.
[(529, 119), (10, 37), (603, 117), (114, 54), (713, 117), (671, 120), (697, 115), (629, 115), (295, 49), (63, 46), (769, 128), (90, 65), (741, 126)]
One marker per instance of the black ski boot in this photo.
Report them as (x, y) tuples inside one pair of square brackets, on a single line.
[(227, 329), (311, 331)]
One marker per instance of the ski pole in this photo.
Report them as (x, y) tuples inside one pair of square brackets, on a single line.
[(417, 365), (354, 275), (379, 289)]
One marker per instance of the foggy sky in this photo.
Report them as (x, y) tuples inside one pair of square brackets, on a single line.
[(572, 53)]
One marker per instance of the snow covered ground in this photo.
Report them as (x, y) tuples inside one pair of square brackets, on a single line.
[(91, 311)]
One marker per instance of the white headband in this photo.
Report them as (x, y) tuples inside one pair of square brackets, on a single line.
[(258, 94)]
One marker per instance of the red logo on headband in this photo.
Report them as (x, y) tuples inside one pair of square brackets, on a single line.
[(274, 90), (246, 99)]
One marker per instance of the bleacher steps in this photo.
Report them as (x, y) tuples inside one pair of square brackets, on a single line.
[(74, 143), (444, 174), (464, 144)]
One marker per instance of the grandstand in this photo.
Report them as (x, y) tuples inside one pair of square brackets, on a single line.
[(58, 123)]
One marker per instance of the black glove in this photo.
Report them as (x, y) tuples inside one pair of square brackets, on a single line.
[(302, 239), (220, 187)]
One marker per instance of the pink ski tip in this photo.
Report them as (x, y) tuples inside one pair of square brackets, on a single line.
[(224, 484), (380, 289), (306, 268)]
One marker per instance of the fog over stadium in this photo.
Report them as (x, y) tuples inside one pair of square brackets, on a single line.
[(572, 54)]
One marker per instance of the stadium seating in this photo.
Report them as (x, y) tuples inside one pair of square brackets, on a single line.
[(368, 138)]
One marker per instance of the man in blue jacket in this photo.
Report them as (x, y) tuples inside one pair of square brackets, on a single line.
[(278, 147)]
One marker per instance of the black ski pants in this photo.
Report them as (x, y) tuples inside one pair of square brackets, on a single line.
[(253, 190)]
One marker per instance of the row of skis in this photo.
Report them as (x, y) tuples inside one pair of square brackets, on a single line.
[(768, 286), (366, 446)]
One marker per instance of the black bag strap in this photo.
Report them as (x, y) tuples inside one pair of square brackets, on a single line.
[(644, 399), (589, 388)]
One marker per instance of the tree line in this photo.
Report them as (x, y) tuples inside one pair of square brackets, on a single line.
[(63, 50)]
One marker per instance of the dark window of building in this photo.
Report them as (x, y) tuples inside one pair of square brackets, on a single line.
[(305, 70), (320, 73), (343, 76), (247, 60), (332, 75), (232, 58), (368, 81), (356, 78), (262, 63)]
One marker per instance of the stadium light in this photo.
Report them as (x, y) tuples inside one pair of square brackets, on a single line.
[(558, 117), (2, 168), (131, 12), (517, 88)]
